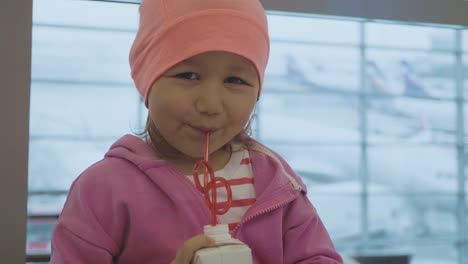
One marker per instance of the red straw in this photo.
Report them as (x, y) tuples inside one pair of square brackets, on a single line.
[(212, 206), (206, 155), (210, 181)]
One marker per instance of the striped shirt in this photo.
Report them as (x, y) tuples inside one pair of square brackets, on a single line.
[(238, 173)]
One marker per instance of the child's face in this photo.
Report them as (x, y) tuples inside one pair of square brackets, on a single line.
[(213, 91)]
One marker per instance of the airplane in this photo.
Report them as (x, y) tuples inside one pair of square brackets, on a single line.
[(413, 87), (302, 78), (404, 171), (404, 96), (415, 98)]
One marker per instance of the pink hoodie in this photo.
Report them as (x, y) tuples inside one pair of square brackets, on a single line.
[(132, 207)]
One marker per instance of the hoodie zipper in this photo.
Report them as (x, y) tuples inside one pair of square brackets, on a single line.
[(264, 211), (295, 184)]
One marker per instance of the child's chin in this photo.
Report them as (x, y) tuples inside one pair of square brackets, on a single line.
[(192, 155)]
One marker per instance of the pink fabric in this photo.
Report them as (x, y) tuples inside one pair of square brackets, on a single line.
[(131, 207), (171, 31)]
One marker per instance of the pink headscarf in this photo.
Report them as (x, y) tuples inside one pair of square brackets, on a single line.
[(171, 31)]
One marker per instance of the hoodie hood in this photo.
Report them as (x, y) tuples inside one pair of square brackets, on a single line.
[(137, 151)]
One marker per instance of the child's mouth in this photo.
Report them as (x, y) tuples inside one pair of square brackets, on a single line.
[(202, 130)]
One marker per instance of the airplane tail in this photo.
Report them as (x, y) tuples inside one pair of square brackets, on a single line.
[(375, 78), (293, 71), (412, 87)]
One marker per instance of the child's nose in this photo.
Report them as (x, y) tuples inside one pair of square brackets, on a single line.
[(209, 99)]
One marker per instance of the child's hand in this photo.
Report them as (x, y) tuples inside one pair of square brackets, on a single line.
[(185, 253)]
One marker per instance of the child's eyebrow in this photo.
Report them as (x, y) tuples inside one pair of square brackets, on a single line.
[(188, 63), (246, 68)]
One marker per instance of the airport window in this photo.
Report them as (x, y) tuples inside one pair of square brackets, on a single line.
[(410, 37), (313, 30), (281, 112), (371, 115), (465, 40)]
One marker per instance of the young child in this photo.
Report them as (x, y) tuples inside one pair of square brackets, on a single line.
[(199, 66)]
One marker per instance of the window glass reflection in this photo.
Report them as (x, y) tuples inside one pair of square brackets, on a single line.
[(332, 210), (415, 169), (142, 116), (46, 203), (308, 118), (39, 233), (312, 29), (98, 14), (55, 163), (465, 40), (414, 74), (324, 169), (412, 216), (82, 110), (71, 53), (421, 251), (410, 120), (312, 68), (465, 113), (465, 75), (408, 36), (389, 221)]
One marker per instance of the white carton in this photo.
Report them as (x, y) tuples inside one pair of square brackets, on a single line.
[(226, 249)]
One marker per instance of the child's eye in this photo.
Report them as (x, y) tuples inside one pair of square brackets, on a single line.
[(187, 75), (235, 80)]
